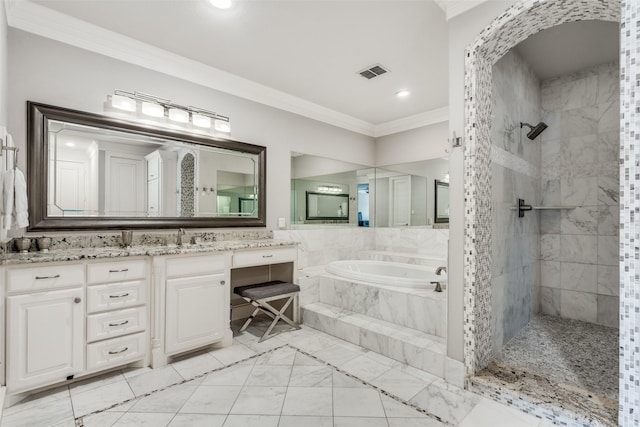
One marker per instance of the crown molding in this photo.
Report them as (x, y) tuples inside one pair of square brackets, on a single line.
[(453, 8), (42, 21), (438, 115)]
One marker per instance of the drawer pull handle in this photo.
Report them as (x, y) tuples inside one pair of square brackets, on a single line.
[(119, 351), (119, 271), (47, 277), (119, 296), (124, 322), (267, 256)]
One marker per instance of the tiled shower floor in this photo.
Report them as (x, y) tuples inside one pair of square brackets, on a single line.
[(561, 363), (300, 378)]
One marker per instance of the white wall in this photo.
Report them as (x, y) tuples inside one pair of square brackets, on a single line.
[(46, 71), (463, 29), (427, 142), (4, 85)]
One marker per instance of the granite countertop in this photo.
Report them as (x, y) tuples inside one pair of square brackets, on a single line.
[(76, 254)]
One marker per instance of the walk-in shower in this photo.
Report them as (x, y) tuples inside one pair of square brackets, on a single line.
[(535, 130)]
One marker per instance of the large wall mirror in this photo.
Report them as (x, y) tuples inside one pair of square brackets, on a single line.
[(400, 195), (87, 171)]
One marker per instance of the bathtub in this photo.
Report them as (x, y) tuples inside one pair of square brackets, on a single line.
[(387, 273)]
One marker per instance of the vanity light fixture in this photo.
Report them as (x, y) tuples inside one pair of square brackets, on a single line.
[(164, 112), (201, 121), (178, 115), (221, 124), (329, 189), (152, 109), (124, 103)]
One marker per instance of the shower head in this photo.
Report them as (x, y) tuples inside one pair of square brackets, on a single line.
[(535, 130)]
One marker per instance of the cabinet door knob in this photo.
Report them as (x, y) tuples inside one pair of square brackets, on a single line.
[(223, 282), (77, 300)]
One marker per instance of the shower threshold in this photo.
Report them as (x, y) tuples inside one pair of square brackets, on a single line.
[(564, 371)]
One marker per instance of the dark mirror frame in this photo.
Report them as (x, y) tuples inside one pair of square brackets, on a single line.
[(436, 218), (310, 217), (38, 116)]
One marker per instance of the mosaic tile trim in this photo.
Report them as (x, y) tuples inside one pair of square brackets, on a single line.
[(187, 185), (507, 30), (80, 420), (629, 399), (511, 161)]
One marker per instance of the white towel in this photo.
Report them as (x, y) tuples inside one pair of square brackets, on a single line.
[(8, 198), (21, 211), (14, 188)]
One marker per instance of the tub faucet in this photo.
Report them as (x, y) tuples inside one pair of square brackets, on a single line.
[(179, 238), (439, 270)]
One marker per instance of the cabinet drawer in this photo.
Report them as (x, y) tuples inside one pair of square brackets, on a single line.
[(116, 323), (115, 295), (116, 351), (263, 256), (197, 265), (103, 272), (44, 277)]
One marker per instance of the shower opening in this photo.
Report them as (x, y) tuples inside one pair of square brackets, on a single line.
[(554, 274)]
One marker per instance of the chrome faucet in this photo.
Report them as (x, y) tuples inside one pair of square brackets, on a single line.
[(438, 286), (439, 270), (179, 238)]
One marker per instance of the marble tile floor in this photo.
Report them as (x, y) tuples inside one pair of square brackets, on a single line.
[(299, 378), (567, 366)]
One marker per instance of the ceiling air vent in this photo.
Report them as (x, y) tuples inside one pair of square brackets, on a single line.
[(373, 71)]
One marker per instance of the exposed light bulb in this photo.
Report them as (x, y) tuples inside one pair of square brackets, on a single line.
[(221, 4)]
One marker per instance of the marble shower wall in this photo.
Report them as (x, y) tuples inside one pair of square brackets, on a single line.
[(580, 151), (515, 162)]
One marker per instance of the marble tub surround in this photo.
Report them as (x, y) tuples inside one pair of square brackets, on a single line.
[(550, 364), (324, 244), (579, 247), (321, 245), (405, 257), (75, 254), (405, 345), (420, 309), (113, 239)]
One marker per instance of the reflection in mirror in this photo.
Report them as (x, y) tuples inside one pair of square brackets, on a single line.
[(441, 209), (327, 206), (99, 167), (327, 191), (392, 196), (403, 192)]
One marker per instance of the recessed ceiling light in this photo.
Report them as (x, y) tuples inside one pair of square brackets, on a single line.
[(221, 4), (402, 93)]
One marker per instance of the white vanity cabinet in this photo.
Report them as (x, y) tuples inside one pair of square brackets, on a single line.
[(45, 325), (116, 313), (71, 319), (196, 303)]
